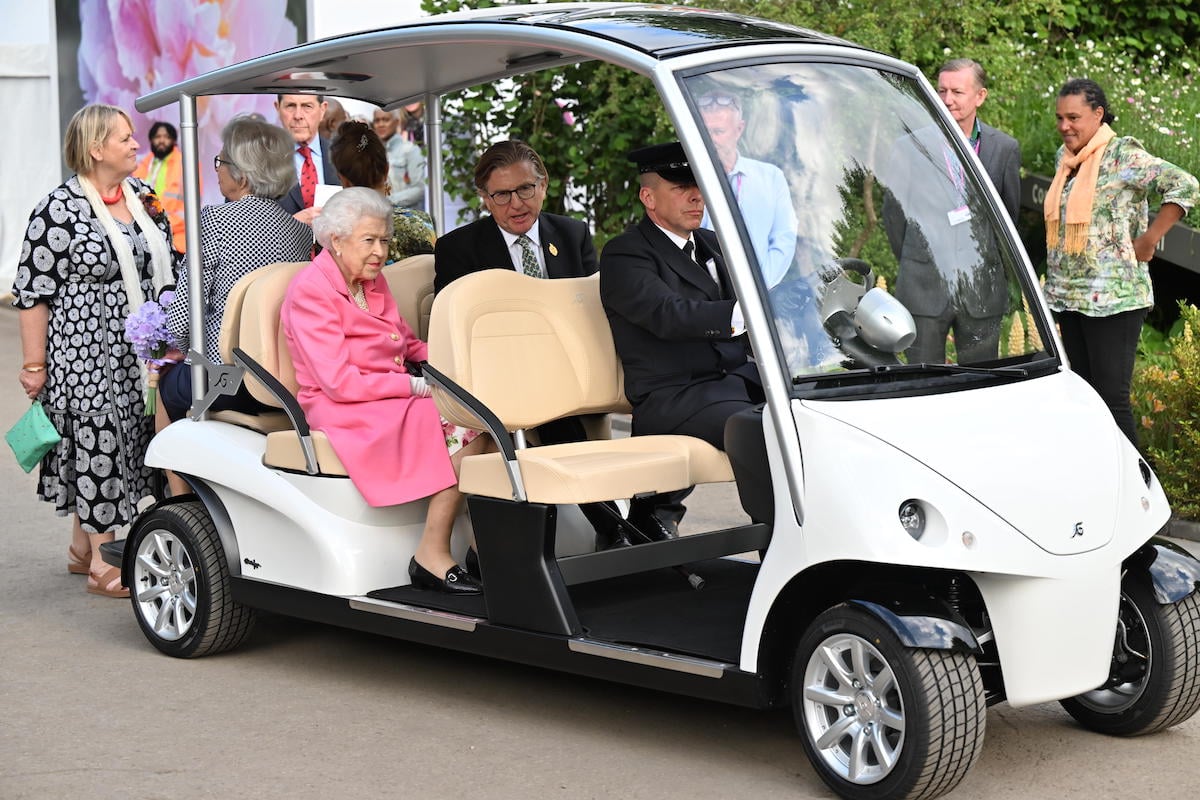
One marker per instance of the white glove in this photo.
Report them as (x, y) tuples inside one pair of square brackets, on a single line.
[(419, 387)]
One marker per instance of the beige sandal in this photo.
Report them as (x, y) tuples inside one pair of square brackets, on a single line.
[(103, 583), (78, 564)]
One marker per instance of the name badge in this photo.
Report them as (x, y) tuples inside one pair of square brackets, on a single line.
[(959, 215)]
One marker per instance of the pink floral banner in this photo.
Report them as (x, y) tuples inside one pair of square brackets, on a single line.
[(127, 48)]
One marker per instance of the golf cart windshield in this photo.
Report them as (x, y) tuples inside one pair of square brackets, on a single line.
[(874, 237)]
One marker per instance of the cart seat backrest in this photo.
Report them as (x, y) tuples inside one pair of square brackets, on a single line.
[(532, 350), (252, 322), (411, 284), (535, 350)]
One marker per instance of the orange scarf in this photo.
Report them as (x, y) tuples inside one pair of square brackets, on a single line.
[(1083, 193)]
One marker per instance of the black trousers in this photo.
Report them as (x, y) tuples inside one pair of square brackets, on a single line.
[(1102, 351)]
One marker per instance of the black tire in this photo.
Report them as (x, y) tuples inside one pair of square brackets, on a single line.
[(1155, 678), (179, 583), (920, 731)]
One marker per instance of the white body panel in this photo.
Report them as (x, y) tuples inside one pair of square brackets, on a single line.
[(1020, 483), (312, 533)]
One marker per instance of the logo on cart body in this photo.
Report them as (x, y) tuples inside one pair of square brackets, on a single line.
[(1078, 530), (251, 563)]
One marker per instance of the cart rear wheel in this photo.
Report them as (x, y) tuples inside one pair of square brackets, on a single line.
[(880, 720), (1155, 677), (180, 586)]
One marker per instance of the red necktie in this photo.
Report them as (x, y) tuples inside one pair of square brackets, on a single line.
[(308, 176)]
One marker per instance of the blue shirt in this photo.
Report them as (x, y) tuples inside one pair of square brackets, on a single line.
[(766, 205)]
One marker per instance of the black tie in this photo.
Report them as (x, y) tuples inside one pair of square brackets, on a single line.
[(688, 247)]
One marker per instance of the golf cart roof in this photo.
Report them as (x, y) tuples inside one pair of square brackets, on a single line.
[(442, 54)]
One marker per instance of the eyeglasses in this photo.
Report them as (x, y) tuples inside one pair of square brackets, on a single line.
[(504, 196), (218, 161), (723, 100)]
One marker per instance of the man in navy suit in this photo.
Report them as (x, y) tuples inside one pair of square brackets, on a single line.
[(676, 322), (517, 234), (301, 115)]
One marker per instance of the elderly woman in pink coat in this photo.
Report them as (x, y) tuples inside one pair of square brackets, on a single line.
[(349, 346)]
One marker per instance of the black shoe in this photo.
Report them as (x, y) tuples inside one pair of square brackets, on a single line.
[(612, 539), (456, 581), (471, 564), (655, 528)]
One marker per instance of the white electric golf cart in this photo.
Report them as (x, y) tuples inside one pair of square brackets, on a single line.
[(924, 539)]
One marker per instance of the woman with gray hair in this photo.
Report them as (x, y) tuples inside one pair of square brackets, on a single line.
[(254, 169), (351, 350)]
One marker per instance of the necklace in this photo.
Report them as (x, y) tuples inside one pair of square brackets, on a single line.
[(118, 197), (359, 296)]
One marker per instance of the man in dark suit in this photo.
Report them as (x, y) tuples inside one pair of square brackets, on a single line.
[(301, 115), (950, 274), (676, 322), (517, 234)]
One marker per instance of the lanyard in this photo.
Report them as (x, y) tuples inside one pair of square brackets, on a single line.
[(954, 169)]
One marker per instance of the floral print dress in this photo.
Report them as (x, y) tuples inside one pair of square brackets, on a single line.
[(1106, 278), (93, 391)]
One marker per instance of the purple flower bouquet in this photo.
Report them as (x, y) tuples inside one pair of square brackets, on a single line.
[(146, 329)]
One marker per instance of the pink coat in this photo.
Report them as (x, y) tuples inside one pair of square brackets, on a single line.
[(354, 386)]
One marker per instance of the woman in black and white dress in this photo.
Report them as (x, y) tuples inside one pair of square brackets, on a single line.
[(251, 230), (96, 248)]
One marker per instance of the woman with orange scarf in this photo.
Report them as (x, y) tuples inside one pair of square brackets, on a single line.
[(1099, 241)]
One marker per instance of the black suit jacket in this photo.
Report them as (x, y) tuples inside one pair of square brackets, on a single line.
[(293, 201), (567, 249), (671, 326)]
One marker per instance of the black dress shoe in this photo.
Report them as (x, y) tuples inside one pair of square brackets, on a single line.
[(612, 539), (457, 581), (655, 528), (471, 564)]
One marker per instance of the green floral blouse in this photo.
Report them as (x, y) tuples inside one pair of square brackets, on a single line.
[(412, 234), (1107, 278)]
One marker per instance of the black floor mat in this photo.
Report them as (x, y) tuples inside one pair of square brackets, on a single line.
[(658, 609), (661, 610)]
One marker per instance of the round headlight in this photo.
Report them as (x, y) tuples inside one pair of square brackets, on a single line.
[(912, 518)]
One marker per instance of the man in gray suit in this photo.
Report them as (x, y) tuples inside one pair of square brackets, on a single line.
[(962, 85), (950, 275)]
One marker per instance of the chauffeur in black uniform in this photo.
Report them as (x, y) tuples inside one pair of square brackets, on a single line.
[(676, 323)]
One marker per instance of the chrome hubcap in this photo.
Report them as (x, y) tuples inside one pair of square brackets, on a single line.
[(164, 582), (853, 711)]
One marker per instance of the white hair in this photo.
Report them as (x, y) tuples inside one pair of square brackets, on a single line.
[(346, 209)]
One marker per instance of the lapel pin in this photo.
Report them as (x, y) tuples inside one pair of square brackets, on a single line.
[(553, 250)]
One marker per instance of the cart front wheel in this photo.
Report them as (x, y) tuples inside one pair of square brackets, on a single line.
[(180, 584), (1154, 681), (880, 720)]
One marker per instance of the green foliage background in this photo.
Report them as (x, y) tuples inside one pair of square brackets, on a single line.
[(1138, 50)]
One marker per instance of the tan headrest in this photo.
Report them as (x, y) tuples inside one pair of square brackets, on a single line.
[(531, 349), (411, 284), (260, 333)]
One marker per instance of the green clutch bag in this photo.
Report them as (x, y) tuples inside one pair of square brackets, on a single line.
[(32, 437)]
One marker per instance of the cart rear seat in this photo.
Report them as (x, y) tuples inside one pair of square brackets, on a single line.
[(537, 350), (252, 324)]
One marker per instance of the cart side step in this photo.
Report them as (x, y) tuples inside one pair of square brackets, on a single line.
[(702, 667), (429, 616)]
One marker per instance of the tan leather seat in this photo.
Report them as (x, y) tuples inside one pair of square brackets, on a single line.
[(411, 284), (252, 323), (537, 350)]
